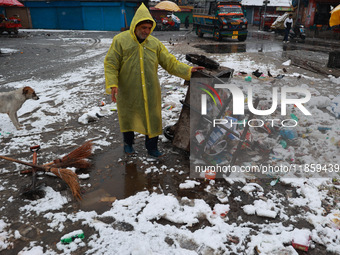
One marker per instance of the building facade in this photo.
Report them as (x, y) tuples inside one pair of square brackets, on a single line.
[(77, 15)]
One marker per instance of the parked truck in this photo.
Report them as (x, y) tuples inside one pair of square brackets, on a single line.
[(221, 19)]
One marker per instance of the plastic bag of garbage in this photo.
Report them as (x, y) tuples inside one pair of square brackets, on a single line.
[(335, 107), (288, 133), (320, 102), (278, 23)]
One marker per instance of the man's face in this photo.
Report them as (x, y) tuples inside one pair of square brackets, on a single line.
[(142, 31)]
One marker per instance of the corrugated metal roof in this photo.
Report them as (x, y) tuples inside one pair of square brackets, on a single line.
[(281, 3)]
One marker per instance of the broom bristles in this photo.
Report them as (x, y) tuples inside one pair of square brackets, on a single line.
[(70, 178), (74, 158), (82, 152)]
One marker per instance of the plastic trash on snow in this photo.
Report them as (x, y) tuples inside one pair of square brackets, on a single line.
[(335, 107)]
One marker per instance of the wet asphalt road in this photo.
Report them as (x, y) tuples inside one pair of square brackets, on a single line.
[(44, 54)]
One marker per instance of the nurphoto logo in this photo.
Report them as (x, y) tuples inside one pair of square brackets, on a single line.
[(238, 99), (239, 103)]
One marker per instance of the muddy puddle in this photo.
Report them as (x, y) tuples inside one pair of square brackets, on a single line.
[(237, 47), (111, 180)]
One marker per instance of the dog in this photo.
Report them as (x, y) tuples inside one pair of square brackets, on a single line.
[(11, 102)]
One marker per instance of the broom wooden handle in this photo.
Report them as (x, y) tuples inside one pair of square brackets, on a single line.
[(25, 163), (48, 164)]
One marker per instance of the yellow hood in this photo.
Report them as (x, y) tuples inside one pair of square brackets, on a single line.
[(141, 14)]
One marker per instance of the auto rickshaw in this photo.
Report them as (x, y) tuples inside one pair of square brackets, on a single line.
[(170, 22), (269, 20), (10, 25)]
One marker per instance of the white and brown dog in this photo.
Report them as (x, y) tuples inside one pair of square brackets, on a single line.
[(11, 102)]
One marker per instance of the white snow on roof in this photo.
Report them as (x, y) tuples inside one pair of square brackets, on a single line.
[(279, 3)]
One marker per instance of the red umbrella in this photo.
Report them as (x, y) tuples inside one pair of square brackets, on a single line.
[(10, 3)]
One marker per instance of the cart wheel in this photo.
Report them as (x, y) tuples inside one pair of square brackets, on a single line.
[(217, 35), (168, 133), (242, 38), (199, 32)]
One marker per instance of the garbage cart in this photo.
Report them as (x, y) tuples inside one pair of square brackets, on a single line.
[(179, 133)]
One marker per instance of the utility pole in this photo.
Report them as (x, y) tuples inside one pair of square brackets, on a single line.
[(265, 2), (298, 10)]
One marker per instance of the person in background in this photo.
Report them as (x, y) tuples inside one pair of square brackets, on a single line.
[(131, 78), (288, 24), (186, 23)]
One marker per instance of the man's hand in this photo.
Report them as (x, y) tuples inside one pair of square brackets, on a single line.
[(197, 68), (114, 93)]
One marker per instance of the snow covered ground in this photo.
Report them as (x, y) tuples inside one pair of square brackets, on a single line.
[(158, 223)]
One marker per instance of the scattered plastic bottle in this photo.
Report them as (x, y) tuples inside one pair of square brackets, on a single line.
[(293, 116), (248, 78), (283, 144), (316, 136), (70, 237), (221, 210), (210, 175), (320, 128), (6, 133), (102, 103), (274, 182)]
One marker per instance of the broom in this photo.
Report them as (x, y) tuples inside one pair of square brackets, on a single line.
[(66, 175), (76, 158)]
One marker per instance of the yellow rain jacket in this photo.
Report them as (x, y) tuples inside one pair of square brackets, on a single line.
[(132, 67)]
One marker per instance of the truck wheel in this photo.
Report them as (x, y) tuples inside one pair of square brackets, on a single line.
[(199, 32), (217, 35), (242, 38)]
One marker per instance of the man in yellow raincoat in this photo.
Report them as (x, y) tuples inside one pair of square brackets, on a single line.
[(131, 66)]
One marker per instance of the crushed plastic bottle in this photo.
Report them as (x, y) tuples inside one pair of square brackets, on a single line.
[(70, 237), (248, 78), (210, 175), (283, 143), (321, 128)]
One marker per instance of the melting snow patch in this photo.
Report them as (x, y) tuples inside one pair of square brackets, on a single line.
[(52, 201), (3, 236), (36, 250), (287, 63), (189, 184)]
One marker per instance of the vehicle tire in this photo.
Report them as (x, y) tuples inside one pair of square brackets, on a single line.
[(199, 32), (16, 31), (168, 133), (217, 35), (242, 38)]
